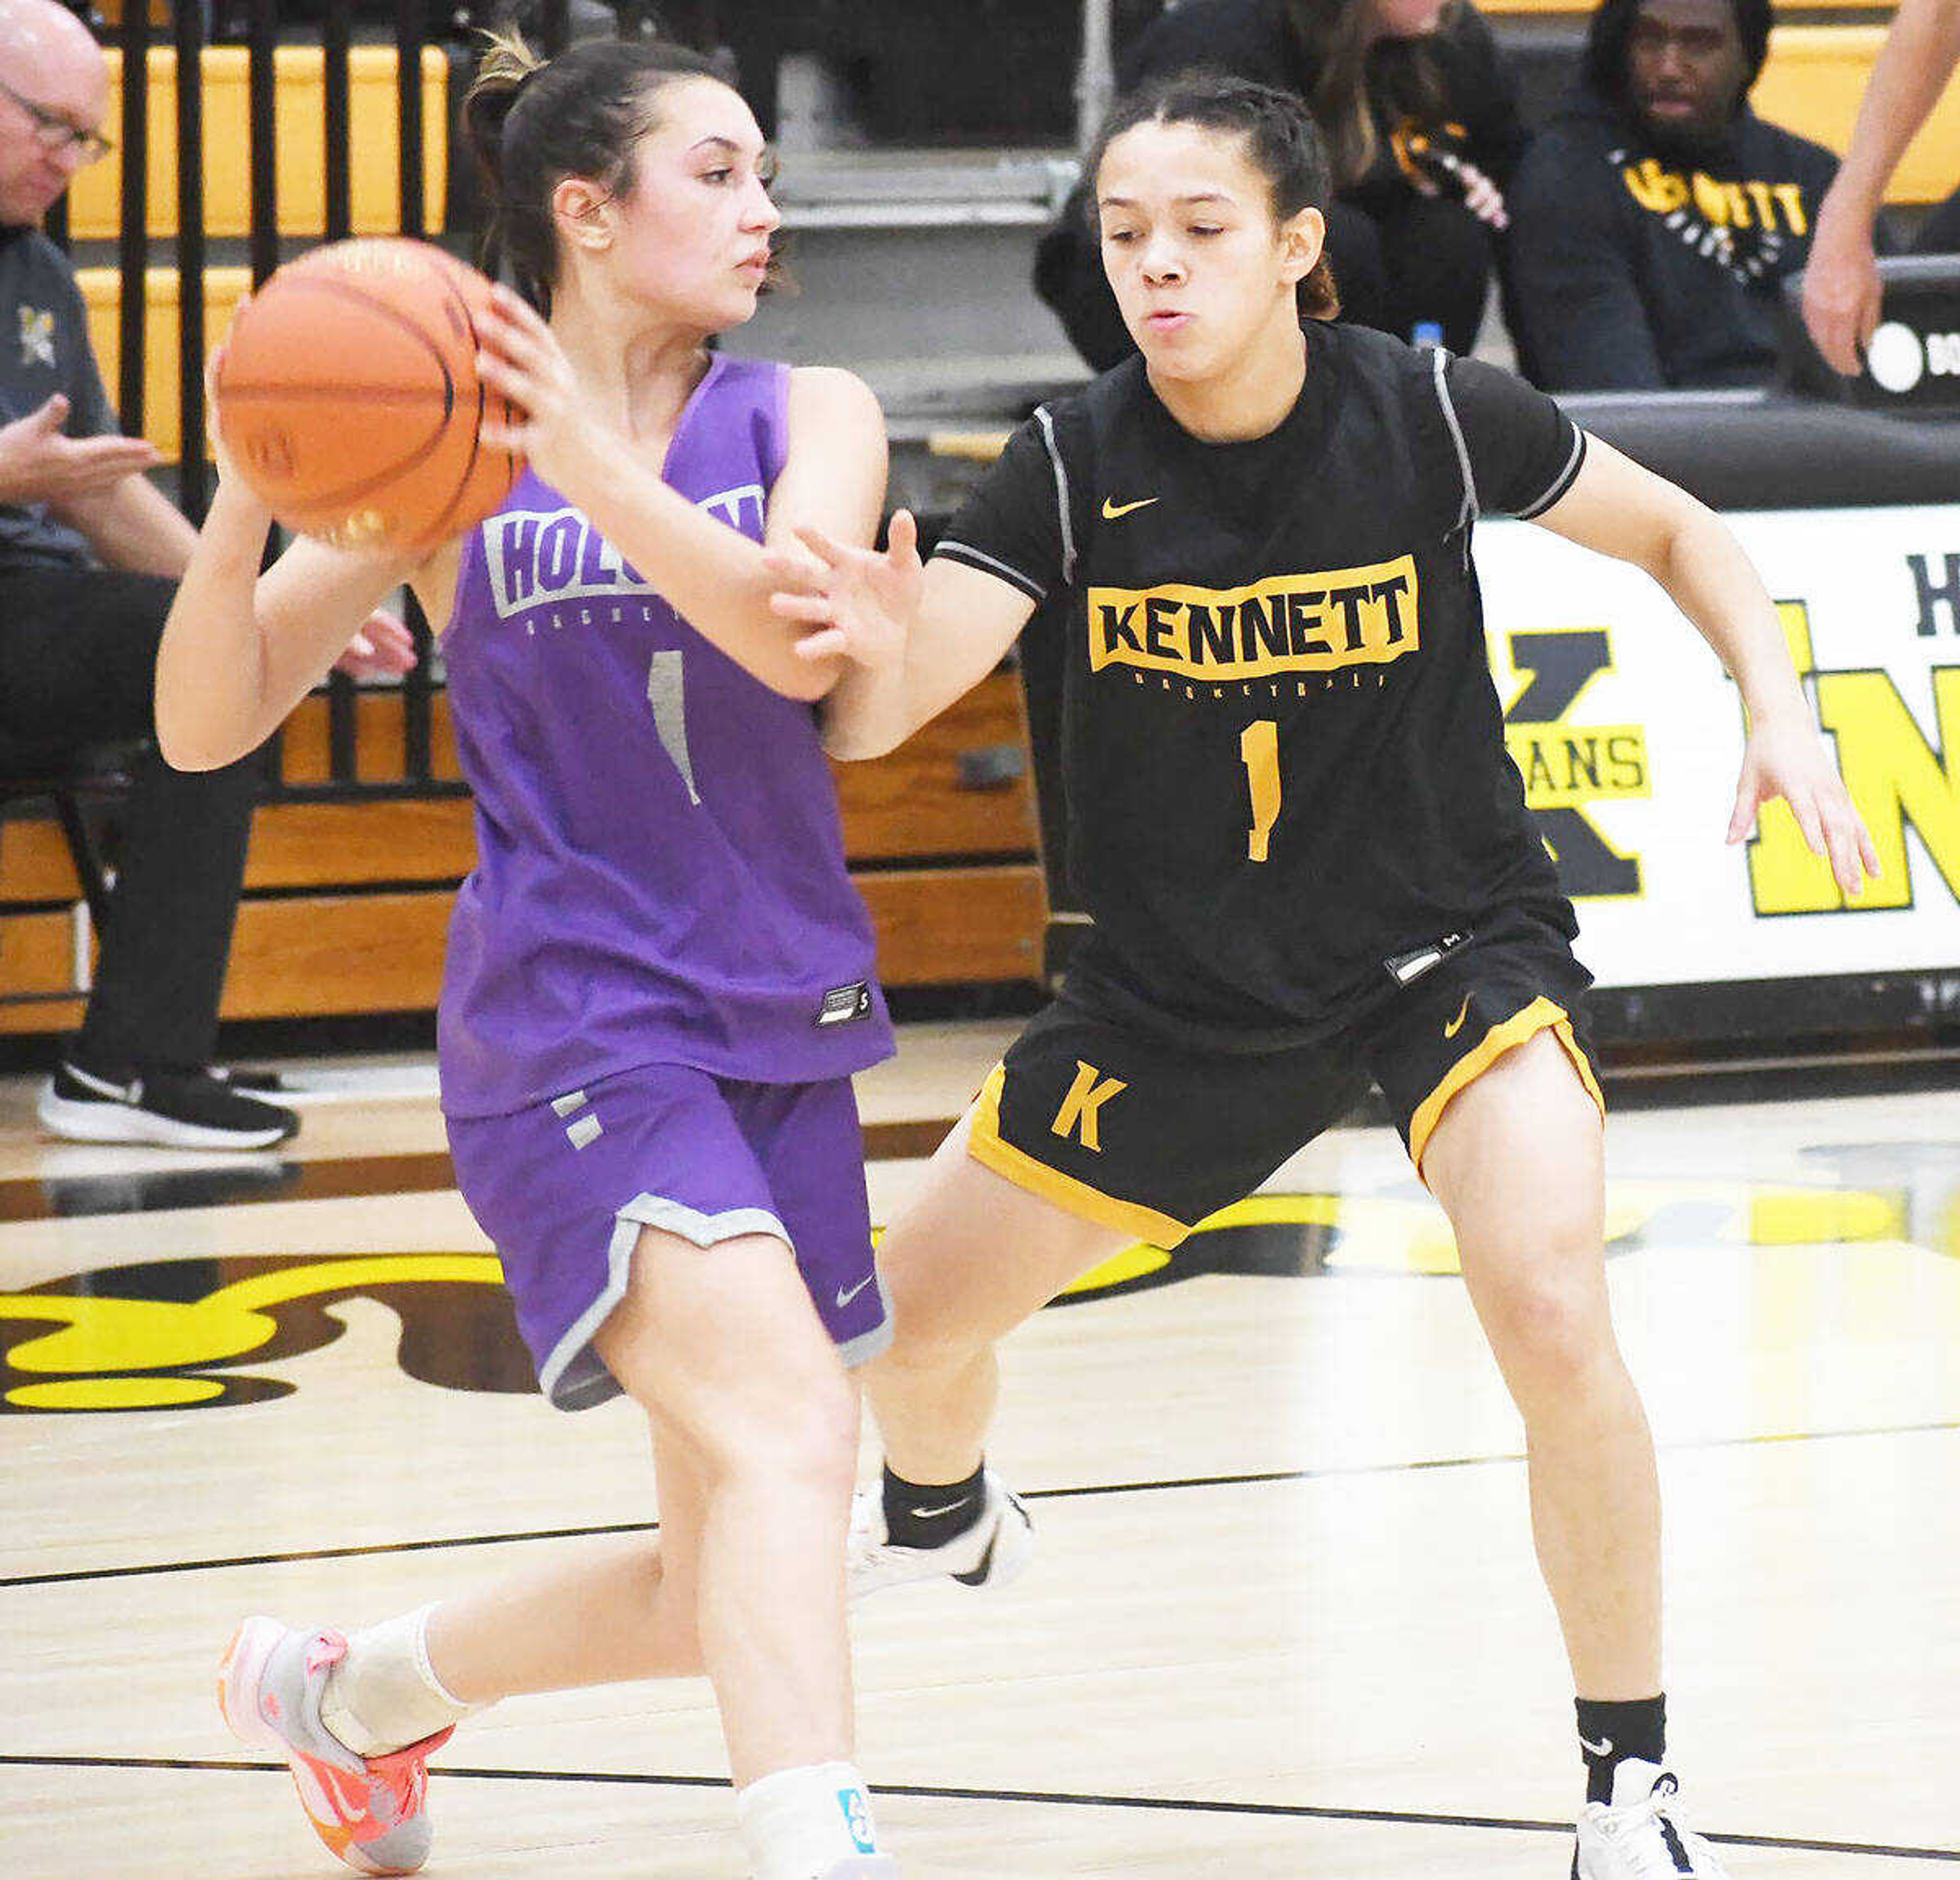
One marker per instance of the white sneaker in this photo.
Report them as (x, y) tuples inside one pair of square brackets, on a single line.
[(864, 1867), (995, 1550), (1637, 1838)]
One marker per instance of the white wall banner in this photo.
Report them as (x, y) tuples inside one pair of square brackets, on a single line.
[(1630, 738)]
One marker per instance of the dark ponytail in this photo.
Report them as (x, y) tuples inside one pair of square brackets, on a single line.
[(1282, 143), (530, 123)]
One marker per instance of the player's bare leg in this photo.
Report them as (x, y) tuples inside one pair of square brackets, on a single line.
[(1517, 1163), (965, 1261)]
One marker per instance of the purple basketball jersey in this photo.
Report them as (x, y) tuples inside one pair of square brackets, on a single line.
[(660, 873)]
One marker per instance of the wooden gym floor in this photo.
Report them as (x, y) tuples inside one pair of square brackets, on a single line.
[(1284, 1620)]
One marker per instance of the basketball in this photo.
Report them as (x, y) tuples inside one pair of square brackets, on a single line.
[(348, 398)]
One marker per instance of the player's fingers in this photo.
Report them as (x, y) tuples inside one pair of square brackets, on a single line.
[(1742, 818), (1805, 809), (510, 305), (500, 437), (795, 572), (831, 643), (52, 415), (902, 538), (814, 608), (831, 554)]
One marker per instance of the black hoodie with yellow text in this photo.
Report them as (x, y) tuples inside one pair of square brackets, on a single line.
[(1636, 268)]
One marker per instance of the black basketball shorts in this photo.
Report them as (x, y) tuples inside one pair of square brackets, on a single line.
[(1117, 1123)]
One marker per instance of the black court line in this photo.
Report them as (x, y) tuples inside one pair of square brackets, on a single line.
[(1082, 1492), (1040, 1798)]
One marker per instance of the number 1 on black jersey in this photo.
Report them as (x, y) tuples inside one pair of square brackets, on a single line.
[(1259, 746)]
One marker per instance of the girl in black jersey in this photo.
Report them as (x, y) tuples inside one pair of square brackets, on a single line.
[(1306, 851)]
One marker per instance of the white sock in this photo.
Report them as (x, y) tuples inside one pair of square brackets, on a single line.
[(384, 1694), (798, 1823)]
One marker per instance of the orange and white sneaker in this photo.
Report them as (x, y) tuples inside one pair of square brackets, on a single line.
[(371, 1811)]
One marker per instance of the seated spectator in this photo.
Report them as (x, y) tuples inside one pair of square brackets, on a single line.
[(1656, 215), (1420, 118), (89, 553)]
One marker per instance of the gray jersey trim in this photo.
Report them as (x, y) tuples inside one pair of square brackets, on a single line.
[(1439, 361), (873, 1343), (967, 553), (1562, 482), (573, 1378), (1061, 497)]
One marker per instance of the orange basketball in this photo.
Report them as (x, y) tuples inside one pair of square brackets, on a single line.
[(348, 398)]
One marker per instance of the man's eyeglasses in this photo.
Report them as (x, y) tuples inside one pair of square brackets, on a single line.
[(57, 133)]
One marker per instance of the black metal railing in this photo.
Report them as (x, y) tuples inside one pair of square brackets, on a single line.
[(340, 25)]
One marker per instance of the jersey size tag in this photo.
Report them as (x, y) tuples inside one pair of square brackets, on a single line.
[(843, 1003), (1405, 969)]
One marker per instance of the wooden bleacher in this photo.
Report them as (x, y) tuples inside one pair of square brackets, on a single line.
[(347, 903)]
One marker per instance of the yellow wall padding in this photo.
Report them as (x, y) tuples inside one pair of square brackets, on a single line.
[(101, 289), (1813, 84), (94, 202)]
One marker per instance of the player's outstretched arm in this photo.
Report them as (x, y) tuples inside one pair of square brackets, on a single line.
[(1619, 509), (912, 638)]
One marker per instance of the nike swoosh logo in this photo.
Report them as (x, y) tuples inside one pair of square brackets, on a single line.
[(845, 1298), (1114, 511), (946, 1508), (1450, 1030), (1604, 1747)]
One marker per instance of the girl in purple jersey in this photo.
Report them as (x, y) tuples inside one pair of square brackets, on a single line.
[(660, 977)]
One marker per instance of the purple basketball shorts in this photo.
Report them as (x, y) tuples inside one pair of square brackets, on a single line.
[(563, 1189)]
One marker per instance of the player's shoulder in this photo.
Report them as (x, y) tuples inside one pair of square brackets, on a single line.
[(828, 387), (828, 405)]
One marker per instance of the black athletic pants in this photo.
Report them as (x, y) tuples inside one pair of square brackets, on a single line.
[(78, 666)]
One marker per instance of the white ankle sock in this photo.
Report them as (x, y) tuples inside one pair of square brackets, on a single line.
[(384, 1694), (797, 1824)]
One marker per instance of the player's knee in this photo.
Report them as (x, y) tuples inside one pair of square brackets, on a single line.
[(1549, 1325), (924, 1347), (803, 1431)]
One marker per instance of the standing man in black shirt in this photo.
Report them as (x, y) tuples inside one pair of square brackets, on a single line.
[(89, 556), (1308, 854), (1655, 218)]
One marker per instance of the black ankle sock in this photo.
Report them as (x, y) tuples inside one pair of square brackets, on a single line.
[(930, 1514), (1610, 1733)]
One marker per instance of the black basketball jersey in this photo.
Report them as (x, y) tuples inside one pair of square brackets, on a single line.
[(1283, 751)]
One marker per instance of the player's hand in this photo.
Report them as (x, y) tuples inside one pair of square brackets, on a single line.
[(520, 357), (1787, 758), (858, 603), (1842, 293), (40, 463), (383, 648)]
